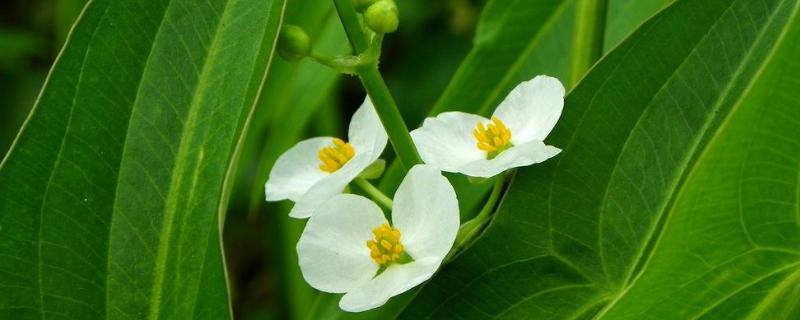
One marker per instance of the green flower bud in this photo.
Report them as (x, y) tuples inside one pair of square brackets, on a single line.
[(362, 5), (293, 43), (381, 16)]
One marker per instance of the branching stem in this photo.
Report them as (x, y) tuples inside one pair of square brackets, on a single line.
[(376, 88)]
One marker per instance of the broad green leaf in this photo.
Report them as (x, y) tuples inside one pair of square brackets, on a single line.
[(676, 195), (515, 40), (112, 196), (624, 16)]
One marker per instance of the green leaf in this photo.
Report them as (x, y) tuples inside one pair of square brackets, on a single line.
[(64, 14), (676, 196), (514, 41), (587, 43), (624, 16), (112, 196)]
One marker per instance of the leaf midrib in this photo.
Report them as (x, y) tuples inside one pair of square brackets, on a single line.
[(558, 163), (797, 197), (778, 290), (755, 281), (677, 192), (677, 182), (122, 153), (170, 209)]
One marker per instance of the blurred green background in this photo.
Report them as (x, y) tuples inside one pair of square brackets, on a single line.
[(31, 34), (433, 38)]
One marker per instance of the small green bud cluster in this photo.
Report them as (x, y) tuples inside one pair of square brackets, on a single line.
[(293, 43), (382, 16)]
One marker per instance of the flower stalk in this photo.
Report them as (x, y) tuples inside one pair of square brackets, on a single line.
[(352, 27), (376, 88), (374, 193), (470, 229)]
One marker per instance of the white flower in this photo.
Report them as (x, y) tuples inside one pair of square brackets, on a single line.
[(315, 170), (514, 137), (349, 247)]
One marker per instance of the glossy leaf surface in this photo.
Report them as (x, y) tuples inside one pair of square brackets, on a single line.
[(514, 39), (111, 198), (676, 195), (624, 16)]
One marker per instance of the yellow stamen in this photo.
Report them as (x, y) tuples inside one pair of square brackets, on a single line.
[(493, 138), (335, 156), (386, 248)]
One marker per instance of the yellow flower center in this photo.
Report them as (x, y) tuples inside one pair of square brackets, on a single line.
[(493, 138), (386, 248), (335, 156)]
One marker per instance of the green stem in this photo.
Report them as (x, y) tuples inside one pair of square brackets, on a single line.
[(469, 229), (587, 44), (390, 116), (352, 26), (374, 193), (377, 90)]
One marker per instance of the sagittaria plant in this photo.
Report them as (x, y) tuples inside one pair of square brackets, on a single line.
[(585, 159), (334, 255)]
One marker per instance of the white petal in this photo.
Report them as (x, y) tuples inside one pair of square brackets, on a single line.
[(446, 141), (532, 109), (368, 139), (329, 186), (333, 251), (395, 280), (296, 170), (425, 211), (366, 133), (516, 156)]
